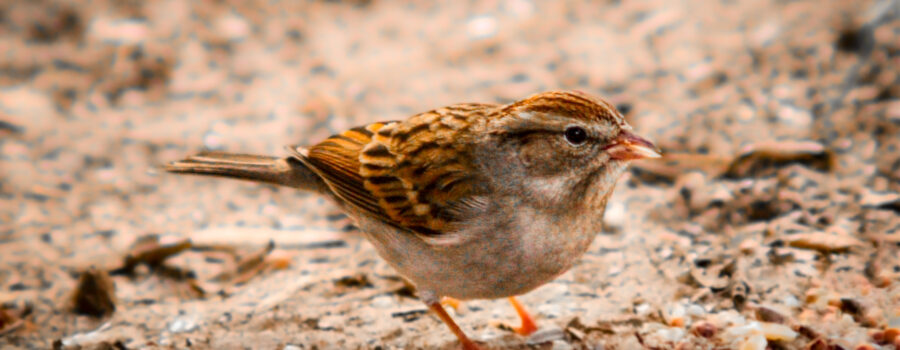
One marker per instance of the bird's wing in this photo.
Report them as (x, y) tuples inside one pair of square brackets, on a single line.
[(415, 174), (336, 161)]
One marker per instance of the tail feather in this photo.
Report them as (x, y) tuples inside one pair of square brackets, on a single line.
[(288, 171)]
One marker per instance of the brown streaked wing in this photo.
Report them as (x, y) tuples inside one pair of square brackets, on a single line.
[(336, 160), (420, 171), (412, 174)]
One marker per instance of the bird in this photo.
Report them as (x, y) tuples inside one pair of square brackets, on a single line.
[(467, 201)]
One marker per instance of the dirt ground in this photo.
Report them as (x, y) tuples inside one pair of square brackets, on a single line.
[(772, 222)]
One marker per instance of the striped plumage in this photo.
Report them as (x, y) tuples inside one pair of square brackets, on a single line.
[(574, 104), (413, 173), (416, 174), (470, 200)]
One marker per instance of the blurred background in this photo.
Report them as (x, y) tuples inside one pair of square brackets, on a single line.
[(772, 220)]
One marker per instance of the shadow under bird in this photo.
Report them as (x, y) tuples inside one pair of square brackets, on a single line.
[(469, 201)]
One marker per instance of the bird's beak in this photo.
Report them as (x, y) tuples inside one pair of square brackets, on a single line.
[(628, 146)]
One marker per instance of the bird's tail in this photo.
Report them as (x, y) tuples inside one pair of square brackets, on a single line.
[(287, 171)]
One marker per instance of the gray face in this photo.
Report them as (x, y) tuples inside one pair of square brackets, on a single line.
[(554, 159), (551, 145)]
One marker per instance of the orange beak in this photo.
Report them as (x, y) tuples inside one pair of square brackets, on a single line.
[(628, 146)]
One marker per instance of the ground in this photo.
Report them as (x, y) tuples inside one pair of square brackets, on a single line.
[(773, 220)]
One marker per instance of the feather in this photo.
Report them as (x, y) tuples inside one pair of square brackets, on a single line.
[(413, 174)]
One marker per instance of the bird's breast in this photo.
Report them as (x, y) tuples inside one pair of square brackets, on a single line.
[(503, 253)]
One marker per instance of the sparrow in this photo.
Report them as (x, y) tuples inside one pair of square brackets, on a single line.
[(468, 201)]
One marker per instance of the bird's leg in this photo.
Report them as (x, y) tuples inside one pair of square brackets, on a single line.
[(435, 305), (528, 325)]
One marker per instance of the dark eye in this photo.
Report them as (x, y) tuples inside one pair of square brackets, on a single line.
[(576, 135)]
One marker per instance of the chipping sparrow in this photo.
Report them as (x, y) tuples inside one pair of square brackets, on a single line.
[(468, 201)]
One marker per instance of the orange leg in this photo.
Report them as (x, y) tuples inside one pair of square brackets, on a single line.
[(528, 325), (467, 343), (451, 302)]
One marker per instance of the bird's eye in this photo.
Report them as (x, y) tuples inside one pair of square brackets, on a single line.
[(576, 135)]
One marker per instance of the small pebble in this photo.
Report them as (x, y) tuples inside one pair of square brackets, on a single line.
[(561, 345), (383, 301), (791, 301), (754, 342), (182, 324), (482, 27), (769, 315), (677, 311), (704, 329), (696, 310), (614, 217), (771, 331), (546, 335), (671, 334), (748, 246), (642, 309), (233, 27)]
